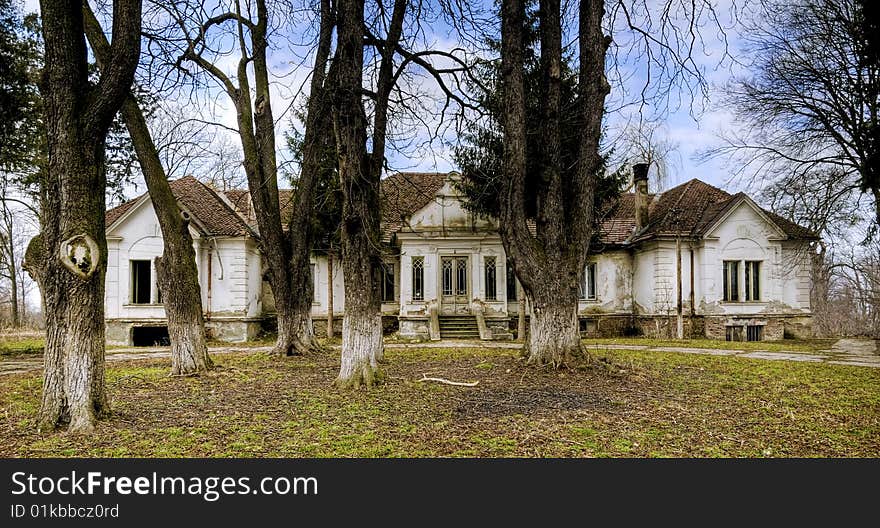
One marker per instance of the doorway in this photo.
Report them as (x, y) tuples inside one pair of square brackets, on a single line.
[(454, 286)]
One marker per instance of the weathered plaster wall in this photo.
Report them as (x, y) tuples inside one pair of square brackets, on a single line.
[(614, 288)]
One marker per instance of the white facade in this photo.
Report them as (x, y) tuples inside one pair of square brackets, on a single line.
[(230, 271), (446, 257)]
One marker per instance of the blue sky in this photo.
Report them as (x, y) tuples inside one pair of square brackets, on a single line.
[(691, 127)]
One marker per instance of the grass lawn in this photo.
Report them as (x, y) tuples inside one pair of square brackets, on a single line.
[(796, 345), (646, 404), (24, 342)]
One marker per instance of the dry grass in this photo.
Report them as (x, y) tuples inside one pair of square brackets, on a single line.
[(646, 404)]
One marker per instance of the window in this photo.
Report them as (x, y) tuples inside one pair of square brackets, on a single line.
[(461, 276), (754, 333), (140, 282), (418, 278), (489, 272), (447, 276), (387, 282), (587, 283), (314, 281), (731, 280), (733, 333), (511, 283), (753, 281)]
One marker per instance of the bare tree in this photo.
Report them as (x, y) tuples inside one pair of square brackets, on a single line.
[(549, 263), (810, 106), (359, 174), (176, 270), (68, 259), (247, 27), (9, 255), (647, 142)]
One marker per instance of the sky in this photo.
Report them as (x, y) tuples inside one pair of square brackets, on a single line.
[(691, 127)]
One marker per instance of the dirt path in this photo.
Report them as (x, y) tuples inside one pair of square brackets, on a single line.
[(857, 352)]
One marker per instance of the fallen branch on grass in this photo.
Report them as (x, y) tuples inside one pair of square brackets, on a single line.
[(447, 382)]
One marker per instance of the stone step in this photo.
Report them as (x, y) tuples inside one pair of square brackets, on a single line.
[(462, 335)]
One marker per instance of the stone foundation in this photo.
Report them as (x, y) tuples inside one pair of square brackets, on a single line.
[(500, 328), (415, 328), (119, 332), (775, 327), (234, 331)]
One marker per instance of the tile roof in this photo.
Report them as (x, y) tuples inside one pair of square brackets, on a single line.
[(115, 213), (694, 206), (690, 208), (404, 193), (209, 210)]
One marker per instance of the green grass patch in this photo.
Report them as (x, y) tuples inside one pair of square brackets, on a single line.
[(651, 404), (13, 345), (795, 345)]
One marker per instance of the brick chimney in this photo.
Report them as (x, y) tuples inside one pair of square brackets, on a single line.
[(640, 184)]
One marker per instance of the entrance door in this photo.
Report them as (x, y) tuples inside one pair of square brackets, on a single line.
[(454, 285)]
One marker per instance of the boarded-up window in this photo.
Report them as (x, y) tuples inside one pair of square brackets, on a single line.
[(734, 333), (140, 282), (754, 333)]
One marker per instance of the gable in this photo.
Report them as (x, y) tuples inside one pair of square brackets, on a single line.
[(445, 211), (139, 221), (208, 211), (744, 221)]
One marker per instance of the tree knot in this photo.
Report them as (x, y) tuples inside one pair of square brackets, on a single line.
[(80, 255)]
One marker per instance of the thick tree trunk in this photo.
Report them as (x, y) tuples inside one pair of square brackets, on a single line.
[(286, 255), (361, 324), (181, 296), (176, 270), (73, 378), (548, 265), (362, 335), (68, 258), (553, 337), (295, 333)]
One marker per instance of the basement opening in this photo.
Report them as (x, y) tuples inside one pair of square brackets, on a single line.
[(147, 336)]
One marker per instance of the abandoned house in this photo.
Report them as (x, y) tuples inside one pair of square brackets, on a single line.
[(743, 273)]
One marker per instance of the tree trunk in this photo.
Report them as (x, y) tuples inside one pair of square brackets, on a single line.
[(554, 338), (176, 271), (361, 324), (286, 255), (13, 294), (548, 264), (68, 259), (7, 238), (362, 335), (330, 294)]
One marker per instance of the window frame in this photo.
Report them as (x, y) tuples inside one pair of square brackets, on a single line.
[(587, 283), (490, 267), (388, 271), (730, 281), (510, 283), (133, 282), (417, 269), (752, 280)]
